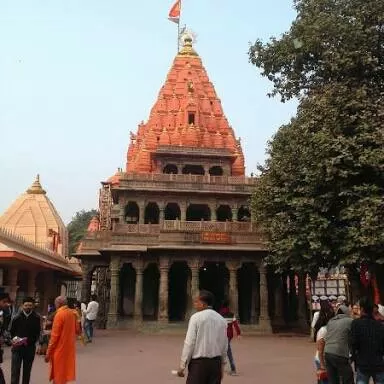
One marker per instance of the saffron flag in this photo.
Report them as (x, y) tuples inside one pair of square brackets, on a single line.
[(174, 13)]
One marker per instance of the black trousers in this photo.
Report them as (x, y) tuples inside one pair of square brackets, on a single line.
[(23, 355), (204, 371), (2, 380), (338, 367)]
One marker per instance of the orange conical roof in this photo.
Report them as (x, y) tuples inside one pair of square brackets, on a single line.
[(187, 113), (94, 224)]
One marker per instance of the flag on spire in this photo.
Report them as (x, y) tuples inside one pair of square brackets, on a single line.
[(174, 13)]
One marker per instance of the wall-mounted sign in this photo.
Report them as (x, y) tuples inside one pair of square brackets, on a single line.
[(216, 237)]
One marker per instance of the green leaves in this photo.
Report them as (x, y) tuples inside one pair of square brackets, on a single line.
[(321, 192)]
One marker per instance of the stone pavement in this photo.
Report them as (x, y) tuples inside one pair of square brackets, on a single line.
[(123, 357)]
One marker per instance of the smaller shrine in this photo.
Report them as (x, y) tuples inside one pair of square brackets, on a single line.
[(34, 249)]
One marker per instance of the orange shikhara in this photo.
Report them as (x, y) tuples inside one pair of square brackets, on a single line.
[(187, 113)]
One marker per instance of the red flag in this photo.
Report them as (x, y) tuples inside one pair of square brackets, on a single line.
[(174, 13)]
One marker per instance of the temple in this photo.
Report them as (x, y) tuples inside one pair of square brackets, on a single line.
[(34, 250), (177, 219)]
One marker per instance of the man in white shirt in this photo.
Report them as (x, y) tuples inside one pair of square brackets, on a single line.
[(90, 317), (206, 343)]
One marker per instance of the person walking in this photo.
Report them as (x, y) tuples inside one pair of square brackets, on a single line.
[(61, 352), (367, 343), (4, 302), (25, 330), (232, 328), (90, 317), (337, 351), (206, 343)]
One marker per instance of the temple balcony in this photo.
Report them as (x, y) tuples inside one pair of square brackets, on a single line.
[(180, 182)]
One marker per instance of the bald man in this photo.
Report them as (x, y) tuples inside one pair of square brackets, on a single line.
[(61, 352)]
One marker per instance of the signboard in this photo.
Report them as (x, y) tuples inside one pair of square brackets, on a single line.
[(216, 237), (329, 288)]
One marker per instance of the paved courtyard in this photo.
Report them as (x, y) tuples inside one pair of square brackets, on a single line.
[(124, 357)]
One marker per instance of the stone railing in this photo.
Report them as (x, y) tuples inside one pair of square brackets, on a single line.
[(137, 228)]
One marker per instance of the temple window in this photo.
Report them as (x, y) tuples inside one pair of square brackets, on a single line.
[(216, 171), (224, 213), (198, 212), (132, 213), (171, 168), (191, 118), (152, 214), (244, 214), (172, 212), (191, 169)]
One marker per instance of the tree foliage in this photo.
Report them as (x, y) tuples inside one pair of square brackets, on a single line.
[(77, 228), (320, 196)]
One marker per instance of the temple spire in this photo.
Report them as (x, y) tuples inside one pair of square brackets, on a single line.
[(36, 187)]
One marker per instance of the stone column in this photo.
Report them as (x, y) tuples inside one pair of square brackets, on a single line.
[(213, 209), (264, 320), (163, 290), (12, 282), (278, 319), (113, 314), (194, 266), (161, 214), (141, 205), (138, 310), (86, 281), (233, 287), (31, 286), (183, 211), (235, 214)]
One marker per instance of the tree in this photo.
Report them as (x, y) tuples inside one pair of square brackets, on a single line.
[(77, 228), (320, 196)]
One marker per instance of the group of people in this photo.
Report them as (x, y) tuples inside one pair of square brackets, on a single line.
[(207, 345), (350, 342), (55, 336)]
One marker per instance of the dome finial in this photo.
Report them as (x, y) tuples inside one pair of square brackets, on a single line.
[(187, 39), (36, 188)]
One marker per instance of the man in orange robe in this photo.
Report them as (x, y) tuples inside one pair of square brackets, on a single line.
[(61, 352)]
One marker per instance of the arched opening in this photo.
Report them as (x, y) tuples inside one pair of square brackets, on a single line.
[(151, 292), (132, 213), (172, 212), (152, 214), (248, 283), (244, 214), (178, 277), (216, 171), (224, 213), (198, 212), (171, 168), (192, 169), (127, 290), (214, 277)]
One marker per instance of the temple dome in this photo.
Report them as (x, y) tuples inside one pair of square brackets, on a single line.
[(34, 217), (186, 113)]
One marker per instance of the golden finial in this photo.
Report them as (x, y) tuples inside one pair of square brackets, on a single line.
[(36, 188), (187, 40)]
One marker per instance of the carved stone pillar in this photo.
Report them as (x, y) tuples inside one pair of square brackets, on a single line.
[(264, 320), (12, 282), (233, 286), (138, 310), (163, 290), (183, 212), (213, 209), (86, 281), (113, 314), (278, 319), (161, 214), (194, 266), (235, 214), (141, 212), (31, 286)]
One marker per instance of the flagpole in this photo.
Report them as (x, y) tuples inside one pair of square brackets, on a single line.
[(178, 30)]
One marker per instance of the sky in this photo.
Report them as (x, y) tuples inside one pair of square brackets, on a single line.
[(76, 76)]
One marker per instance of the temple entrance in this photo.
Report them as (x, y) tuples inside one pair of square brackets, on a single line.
[(248, 281), (244, 214), (152, 214), (214, 277), (172, 212), (224, 213), (177, 304), (127, 290), (216, 171), (151, 279), (132, 213), (171, 169), (192, 169), (198, 212)]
